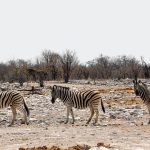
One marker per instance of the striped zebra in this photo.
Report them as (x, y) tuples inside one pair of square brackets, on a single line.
[(16, 101), (141, 90), (78, 99)]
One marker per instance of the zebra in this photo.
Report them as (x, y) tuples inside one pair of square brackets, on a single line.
[(78, 99), (16, 101), (141, 90)]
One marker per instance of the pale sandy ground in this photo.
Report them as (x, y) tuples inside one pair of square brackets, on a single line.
[(46, 126)]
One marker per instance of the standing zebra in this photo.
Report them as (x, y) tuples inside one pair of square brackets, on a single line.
[(141, 90), (16, 101), (79, 100)]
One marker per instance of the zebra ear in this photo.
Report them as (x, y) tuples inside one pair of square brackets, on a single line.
[(134, 81), (135, 78), (50, 87)]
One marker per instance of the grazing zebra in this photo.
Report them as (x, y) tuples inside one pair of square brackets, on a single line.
[(79, 100), (16, 101), (141, 90)]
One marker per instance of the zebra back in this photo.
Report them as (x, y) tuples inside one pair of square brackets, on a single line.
[(8, 98)]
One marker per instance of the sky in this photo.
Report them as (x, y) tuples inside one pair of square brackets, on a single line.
[(88, 27)]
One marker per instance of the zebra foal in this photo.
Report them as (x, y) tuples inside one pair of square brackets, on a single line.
[(141, 90), (16, 101), (79, 100)]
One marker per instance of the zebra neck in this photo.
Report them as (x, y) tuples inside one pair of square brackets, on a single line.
[(64, 95)]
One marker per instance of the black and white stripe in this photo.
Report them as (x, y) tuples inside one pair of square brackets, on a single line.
[(78, 99), (16, 101), (141, 90)]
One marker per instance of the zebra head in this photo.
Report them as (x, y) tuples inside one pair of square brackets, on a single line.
[(136, 87), (58, 92), (53, 94)]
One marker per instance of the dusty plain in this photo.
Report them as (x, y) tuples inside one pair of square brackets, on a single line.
[(123, 126)]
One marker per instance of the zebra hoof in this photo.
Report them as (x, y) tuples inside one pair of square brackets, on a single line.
[(24, 122), (87, 123), (94, 124), (10, 125), (65, 122)]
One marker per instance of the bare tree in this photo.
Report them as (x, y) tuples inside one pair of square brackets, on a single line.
[(93, 73), (146, 68), (16, 71), (22, 71), (69, 60), (80, 72), (52, 62), (103, 67), (3, 72)]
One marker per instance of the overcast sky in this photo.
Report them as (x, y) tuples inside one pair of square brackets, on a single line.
[(89, 27)]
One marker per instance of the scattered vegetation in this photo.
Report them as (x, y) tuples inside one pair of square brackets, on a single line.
[(53, 66)]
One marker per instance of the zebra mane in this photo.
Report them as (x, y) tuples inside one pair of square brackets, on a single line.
[(60, 87), (145, 87), (143, 84)]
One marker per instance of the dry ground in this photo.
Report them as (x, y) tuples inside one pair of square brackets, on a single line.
[(117, 129)]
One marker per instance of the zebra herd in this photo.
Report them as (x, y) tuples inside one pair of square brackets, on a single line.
[(70, 98)]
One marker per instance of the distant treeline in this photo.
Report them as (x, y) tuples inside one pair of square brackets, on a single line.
[(67, 66)]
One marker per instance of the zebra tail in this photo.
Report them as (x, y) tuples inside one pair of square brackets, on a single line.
[(27, 109), (103, 108)]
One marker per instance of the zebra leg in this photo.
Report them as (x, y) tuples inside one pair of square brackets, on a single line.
[(97, 114), (23, 111), (25, 117), (148, 105), (14, 115), (67, 117), (92, 113), (72, 116)]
